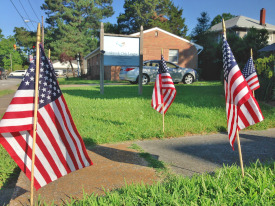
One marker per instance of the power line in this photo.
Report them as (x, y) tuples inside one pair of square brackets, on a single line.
[(20, 14), (26, 14), (33, 11)]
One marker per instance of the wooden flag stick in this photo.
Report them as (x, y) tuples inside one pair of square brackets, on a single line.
[(49, 54), (163, 116), (238, 138), (223, 28), (251, 53), (35, 108), (240, 152)]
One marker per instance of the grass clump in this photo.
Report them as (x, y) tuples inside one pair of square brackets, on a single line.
[(225, 187), (9, 169), (5, 92)]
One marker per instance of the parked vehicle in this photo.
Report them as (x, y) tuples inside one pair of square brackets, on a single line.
[(150, 69), (18, 73), (3, 73)]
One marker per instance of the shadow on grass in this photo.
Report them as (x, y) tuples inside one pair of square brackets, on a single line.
[(199, 96), (107, 121), (7, 189), (124, 156)]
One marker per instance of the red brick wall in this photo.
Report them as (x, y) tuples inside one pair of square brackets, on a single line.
[(93, 70), (152, 46)]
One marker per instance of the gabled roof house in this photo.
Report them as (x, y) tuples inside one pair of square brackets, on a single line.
[(241, 24)]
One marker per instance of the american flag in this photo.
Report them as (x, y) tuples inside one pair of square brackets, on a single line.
[(164, 91), (59, 148), (250, 75), (242, 109)]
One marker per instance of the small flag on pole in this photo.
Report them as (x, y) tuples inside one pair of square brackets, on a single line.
[(164, 91), (59, 148), (242, 109), (250, 75)]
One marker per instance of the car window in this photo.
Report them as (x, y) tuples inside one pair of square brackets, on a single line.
[(172, 66), (154, 64)]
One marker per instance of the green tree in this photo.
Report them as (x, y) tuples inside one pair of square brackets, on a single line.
[(151, 13), (74, 25), (218, 19), (201, 27), (256, 40), (25, 39), (8, 54), (1, 35)]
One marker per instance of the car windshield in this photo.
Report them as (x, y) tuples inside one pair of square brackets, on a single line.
[(151, 63)]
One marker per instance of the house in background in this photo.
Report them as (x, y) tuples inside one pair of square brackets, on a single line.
[(175, 49), (65, 66), (241, 24)]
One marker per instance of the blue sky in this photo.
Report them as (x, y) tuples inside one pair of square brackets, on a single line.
[(9, 17)]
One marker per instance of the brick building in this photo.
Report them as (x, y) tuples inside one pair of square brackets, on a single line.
[(175, 49)]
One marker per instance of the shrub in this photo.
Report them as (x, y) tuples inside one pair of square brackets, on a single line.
[(265, 70)]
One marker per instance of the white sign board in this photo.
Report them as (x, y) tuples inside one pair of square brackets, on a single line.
[(121, 51)]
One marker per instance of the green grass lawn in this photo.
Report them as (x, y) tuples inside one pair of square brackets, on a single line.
[(121, 114)]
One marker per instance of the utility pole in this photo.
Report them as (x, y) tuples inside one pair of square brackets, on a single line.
[(101, 58), (11, 61)]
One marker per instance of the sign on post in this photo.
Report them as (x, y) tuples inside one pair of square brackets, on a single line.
[(121, 51)]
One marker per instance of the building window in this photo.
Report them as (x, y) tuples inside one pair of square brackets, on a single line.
[(173, 55), (270, 38)]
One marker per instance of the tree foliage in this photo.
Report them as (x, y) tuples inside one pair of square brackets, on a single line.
[(25, 39), (151, 13), (201, 27), (210, 59), (218, 19), (73, 26), (7, 53)]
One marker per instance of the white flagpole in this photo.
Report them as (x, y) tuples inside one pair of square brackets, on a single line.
[(238, 138), (35, 108)]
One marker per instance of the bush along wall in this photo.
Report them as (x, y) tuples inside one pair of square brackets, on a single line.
[(265, 70)]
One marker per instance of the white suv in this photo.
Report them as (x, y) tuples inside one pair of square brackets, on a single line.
[(18, 73)]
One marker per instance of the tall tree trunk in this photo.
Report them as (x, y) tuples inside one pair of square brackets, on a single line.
[(82, 65), (72, 68)]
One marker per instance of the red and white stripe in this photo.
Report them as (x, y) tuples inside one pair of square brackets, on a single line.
[(59, 148), (164, 92), (19, 114), (253, 81), (241, 107)]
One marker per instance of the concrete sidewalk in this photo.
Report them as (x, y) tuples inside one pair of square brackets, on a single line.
[(199, 154)]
